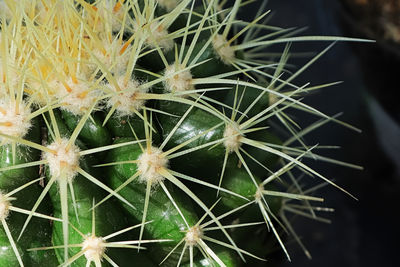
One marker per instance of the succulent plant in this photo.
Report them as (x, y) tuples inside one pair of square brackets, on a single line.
[(135, 133)]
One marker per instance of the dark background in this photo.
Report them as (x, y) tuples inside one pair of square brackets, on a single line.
[(364, 232)]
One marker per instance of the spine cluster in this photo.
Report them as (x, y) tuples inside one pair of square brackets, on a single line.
[(151, 132)]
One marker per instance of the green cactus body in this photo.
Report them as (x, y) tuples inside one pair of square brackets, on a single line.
[(109, 219), (195, 123), (167, 223), (227, 257), (93, 134), (38, 233), (156, 129)]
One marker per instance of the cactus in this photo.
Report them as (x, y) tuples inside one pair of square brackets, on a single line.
[(150, 132)]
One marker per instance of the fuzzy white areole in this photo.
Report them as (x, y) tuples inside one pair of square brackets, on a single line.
[(4, 207), (125, 98), (64, 161), (149, 164), (77, 96), (193, 235), (155, 34), (113, 55), (14, 119), (94, 248), (223, 50), (232, 137), (178, 80)]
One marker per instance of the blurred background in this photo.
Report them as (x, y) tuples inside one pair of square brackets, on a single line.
[(364, 232)]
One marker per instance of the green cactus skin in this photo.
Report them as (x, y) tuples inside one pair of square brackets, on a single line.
[(92, 133)]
